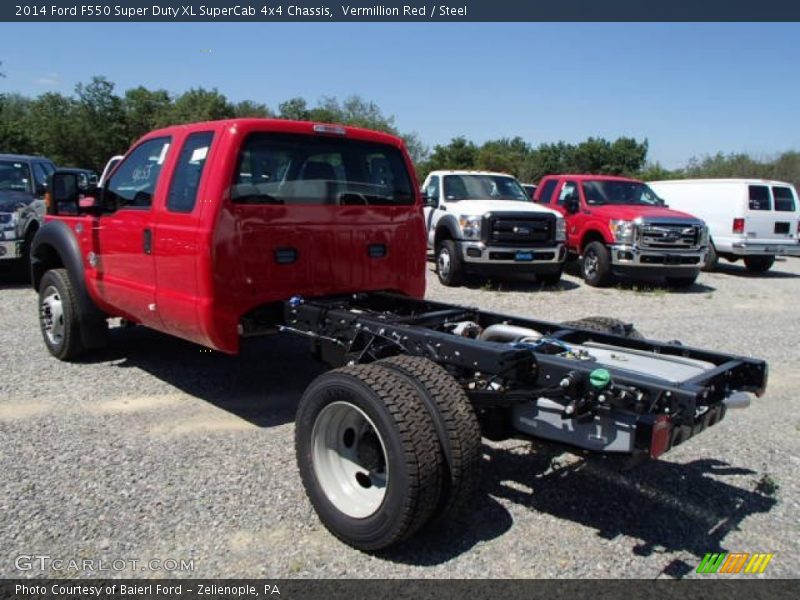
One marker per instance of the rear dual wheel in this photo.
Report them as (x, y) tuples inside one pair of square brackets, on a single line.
[(374, 463)]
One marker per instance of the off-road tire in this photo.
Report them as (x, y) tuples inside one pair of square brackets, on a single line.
[(413, 455), (70, 345), (759, 264), (457, 427), (596, 265), (453, 275), (606, 325)]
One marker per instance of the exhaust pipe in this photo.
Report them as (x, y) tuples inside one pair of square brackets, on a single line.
[(737, 400), (502, 332)]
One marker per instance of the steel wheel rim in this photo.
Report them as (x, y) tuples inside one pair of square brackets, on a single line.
[(443, 262), (51, 311), (590, 263), (349, 459)]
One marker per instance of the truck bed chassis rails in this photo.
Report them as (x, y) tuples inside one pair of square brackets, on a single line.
[(600, 391)]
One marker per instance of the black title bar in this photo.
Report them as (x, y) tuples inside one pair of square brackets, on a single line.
[(393, 10)]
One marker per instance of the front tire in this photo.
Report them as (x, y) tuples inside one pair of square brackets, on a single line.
[(759, 264), (596, 265), (59, 318), (449, 265), (368, 455), (712, 259)]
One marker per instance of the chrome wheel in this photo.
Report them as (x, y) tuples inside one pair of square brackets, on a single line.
[(349, 459), (443, 262), (51, 314), (591, 263)]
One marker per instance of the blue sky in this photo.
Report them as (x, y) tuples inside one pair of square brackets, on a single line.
[(691, 89)]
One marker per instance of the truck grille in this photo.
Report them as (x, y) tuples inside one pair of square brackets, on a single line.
[(669, 235), (518, 230)]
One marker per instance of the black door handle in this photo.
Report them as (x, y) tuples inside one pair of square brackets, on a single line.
[(148, 241)]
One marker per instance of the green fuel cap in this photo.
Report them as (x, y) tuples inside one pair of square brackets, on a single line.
[(600, 378)]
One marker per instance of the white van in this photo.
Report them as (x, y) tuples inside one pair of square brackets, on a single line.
[(753, 219)]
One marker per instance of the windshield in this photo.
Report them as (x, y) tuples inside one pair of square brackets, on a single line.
[(302, 169), (599, 192), (14, 177), (483, 187)]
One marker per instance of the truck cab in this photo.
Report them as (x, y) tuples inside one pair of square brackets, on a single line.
[(483, 223), (201, 229), (619, 226)]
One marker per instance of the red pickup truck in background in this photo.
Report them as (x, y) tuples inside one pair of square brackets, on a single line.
[(619, 226)]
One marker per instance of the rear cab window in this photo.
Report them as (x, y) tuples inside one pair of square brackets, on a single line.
[(759, 197), (185, 183), (784, 199), (289, 169)]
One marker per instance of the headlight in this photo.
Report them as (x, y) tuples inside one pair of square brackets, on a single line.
[(561, 230), (622, 231), (470, 226), (8, 220), (702, 235)]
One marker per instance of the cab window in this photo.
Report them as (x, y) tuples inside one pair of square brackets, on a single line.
[(570, 189), (134, 181), (186, 179)]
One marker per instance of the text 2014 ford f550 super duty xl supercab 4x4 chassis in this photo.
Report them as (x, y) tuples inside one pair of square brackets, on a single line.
[(220, 230)]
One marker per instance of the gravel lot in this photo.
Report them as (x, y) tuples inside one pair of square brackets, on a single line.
[(158, 449)]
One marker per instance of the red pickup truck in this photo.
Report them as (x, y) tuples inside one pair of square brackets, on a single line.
[(619, 226), (217, 231)]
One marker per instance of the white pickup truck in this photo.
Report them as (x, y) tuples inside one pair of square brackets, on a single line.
[(484, 223)]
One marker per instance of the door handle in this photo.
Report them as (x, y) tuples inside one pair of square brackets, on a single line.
[(148, 241)]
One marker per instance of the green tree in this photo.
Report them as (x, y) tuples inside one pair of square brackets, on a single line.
[(144, 110), (198, 104), (507, 155), (247, 108)]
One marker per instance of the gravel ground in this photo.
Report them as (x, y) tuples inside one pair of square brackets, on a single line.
[(158, 449)]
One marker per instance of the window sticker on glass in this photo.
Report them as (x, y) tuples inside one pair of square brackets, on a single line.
[(163, 154), (199, 154)]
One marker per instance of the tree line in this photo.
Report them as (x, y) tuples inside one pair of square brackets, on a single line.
[(87, 127)]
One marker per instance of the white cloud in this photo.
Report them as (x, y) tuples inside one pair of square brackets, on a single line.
[(49, 79)]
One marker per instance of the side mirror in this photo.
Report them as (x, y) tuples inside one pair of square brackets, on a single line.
[(429, 201), (41, 189), (66, 196), (572, 204)]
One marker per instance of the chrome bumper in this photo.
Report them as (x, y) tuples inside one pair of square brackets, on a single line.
[(11, 250), (478, 252), (778, 249), (623, 255)]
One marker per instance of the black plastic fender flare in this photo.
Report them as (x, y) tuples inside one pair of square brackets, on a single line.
[(56, 237), (450, 224)]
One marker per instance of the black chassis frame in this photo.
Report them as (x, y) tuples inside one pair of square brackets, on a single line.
[(364, 327)]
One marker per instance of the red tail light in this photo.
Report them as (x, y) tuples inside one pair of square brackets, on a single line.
[(660, 437), (738, 226)]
